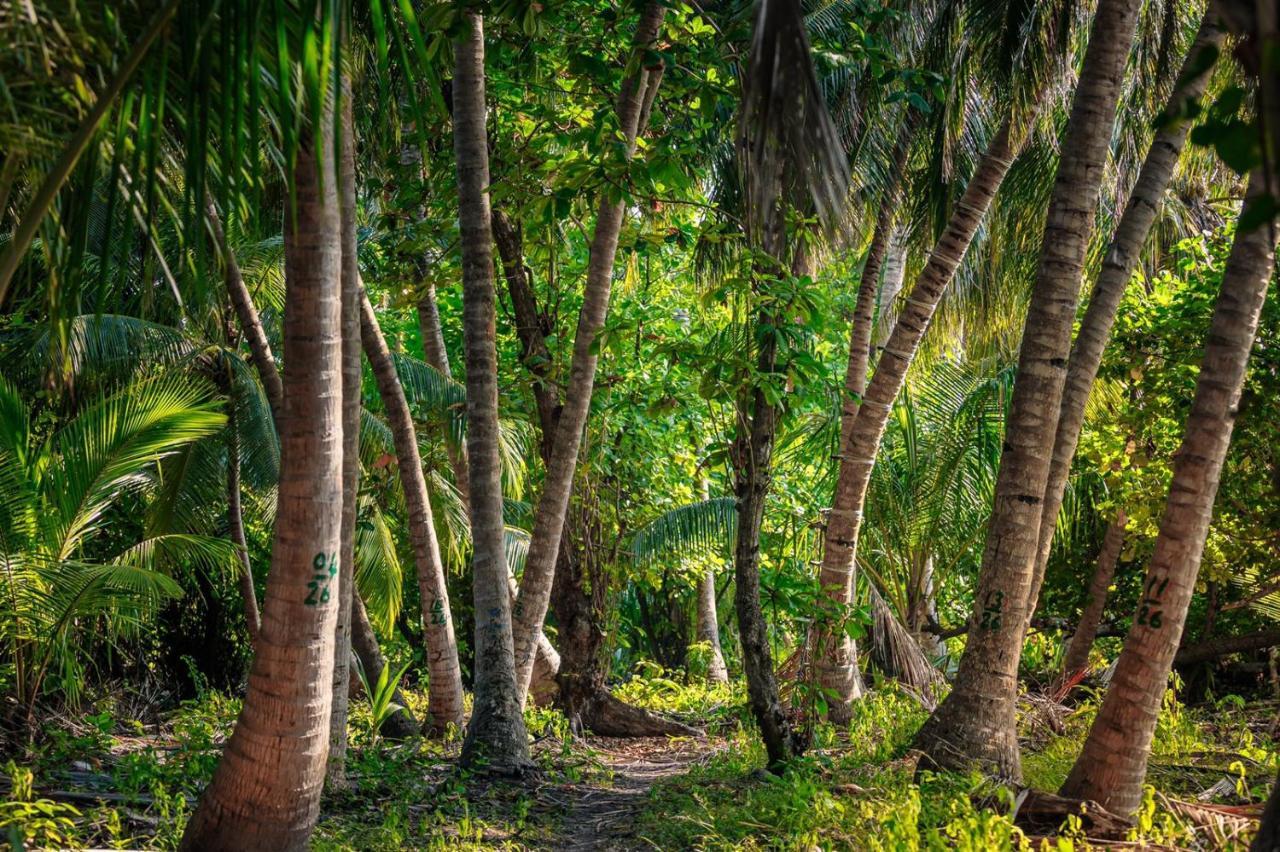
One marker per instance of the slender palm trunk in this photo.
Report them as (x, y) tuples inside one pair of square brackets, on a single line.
[(1113, 763), (1117, 270), (351, 375), (364, 644), (895, 271), (1268, 837), (265, 793), (1077, 657), (247, 315), (708, 628), (553, 503), (438, 356), (445, 684), (860, 440), (235, 527), (496, 733), (976, 721)]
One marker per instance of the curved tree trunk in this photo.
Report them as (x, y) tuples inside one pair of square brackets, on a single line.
[(1113, 763), (364, 645), (553, 503), (1117, 271), (445, 676), (335, 772), (708, 628), (235, 527), (976, 721), (860, 439), (496, 733), (1076, 659), (265, 793), (247, 315), (438, 356)]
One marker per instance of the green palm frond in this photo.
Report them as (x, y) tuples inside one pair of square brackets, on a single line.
[(379, 574), (707, 526)]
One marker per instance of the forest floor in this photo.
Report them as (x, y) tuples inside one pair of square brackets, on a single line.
[(105, 778)]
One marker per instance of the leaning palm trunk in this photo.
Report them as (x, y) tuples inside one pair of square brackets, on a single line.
[(247, 315), (265, 793), (1113, 763), (364, 645), (496, 733), (1076, 659), (861, 441), (976, 722), (553, 504), (445, 676), (351, 376), (1117, 270), (235, 527)]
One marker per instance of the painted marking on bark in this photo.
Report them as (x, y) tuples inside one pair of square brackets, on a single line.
[(324, 568), (437, 613), (992, 608), (1149, 613)]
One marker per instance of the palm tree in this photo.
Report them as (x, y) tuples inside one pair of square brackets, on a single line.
[(975, 723), (496, 732), (1117, 270), (265, 793), (445, 684), (638, 90), (58, 495), (1113, 763), (1076, 658)]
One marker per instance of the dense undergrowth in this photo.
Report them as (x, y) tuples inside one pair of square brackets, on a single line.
[(855, 789)]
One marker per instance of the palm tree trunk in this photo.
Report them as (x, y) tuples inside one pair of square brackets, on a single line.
[(1117, 271), (1268, 837), (708, 628), (553, 503), (247, 315), (335, 772), (265, 793), (445, 705), (496, 733), (235, 527), (1076, 659), (438, 356), (1113, 763), (364, 643), (861, 441), (976, 721), (895, 270)]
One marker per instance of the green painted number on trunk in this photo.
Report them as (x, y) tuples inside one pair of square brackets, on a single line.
[(324, 569)]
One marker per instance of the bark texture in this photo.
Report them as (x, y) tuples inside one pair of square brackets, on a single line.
[(496, 733), (335, 772), (265, 793), (975, 724), (1113, 763), (867, 413), (553, 503), (445, 705), (235, 527), (1117, 270), (708, 628), (1077, 657), (438, 356)]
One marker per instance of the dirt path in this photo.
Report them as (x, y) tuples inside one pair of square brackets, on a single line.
[(601, 814)]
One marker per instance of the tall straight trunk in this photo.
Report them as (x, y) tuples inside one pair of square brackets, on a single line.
[(1113, 763), (553, 503), (976, 721), (1077, 657), (351, 379), (445, 705), (1117, 270), (235, 527), (247, 315), (364, 645), (496, 733), (265, 793), (438, 356), (708, 628), (860, 440)]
